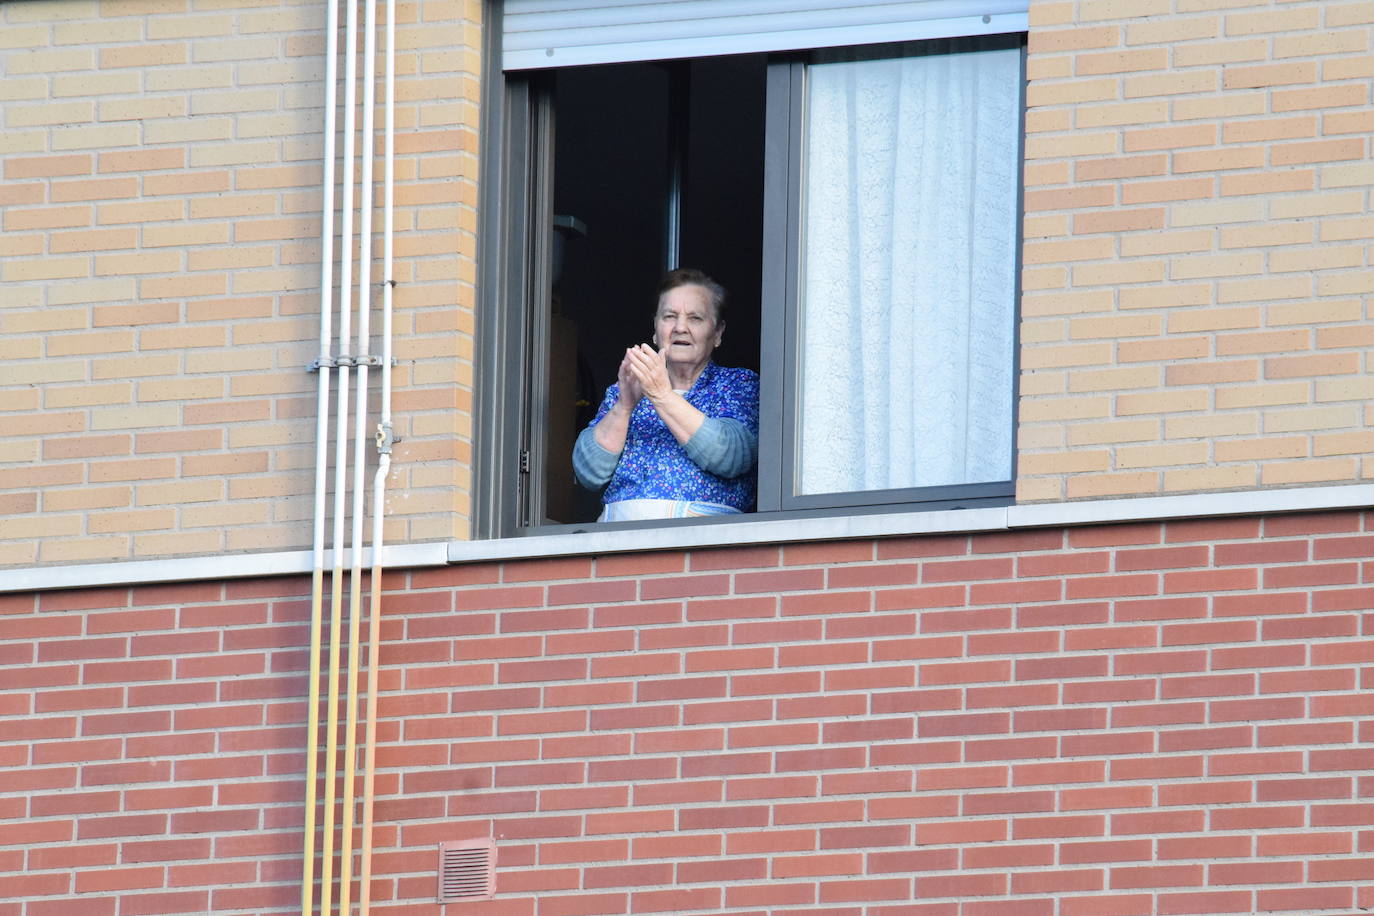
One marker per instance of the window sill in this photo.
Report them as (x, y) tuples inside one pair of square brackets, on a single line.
[(593, 539), (696, 536)]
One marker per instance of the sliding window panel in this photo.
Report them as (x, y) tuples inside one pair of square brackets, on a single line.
[(513, 293), (509, 168), (781, 206), (906, 307)]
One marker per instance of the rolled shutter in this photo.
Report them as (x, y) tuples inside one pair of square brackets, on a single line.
[(561, 33)]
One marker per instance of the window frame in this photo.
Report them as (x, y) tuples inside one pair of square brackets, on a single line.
[(516, 195), (784, 138)]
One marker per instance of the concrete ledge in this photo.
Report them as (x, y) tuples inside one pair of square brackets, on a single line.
[(184, 569), (690, 536), (697, 536), (1197, 505), (954, 521)]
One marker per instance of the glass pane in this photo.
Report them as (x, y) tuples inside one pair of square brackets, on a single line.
[(908, 272)]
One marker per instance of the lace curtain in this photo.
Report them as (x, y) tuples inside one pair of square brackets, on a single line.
[(907, 311)]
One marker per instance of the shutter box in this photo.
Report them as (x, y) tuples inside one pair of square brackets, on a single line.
[(562, 33)]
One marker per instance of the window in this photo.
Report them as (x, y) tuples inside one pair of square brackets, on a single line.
[(861, 205)]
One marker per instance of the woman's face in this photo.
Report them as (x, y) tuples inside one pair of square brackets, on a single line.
[(686, 326)]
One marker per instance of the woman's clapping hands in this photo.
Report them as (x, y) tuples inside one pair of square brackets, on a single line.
[(630, 389), (644, 372)]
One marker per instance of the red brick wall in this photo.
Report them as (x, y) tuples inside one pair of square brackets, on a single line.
[(1133, 719)]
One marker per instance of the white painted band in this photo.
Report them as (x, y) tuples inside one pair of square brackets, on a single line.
[(597, 540), (186, 569)]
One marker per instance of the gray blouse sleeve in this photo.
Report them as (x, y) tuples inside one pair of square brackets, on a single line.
[(592, 464), (723, 446)]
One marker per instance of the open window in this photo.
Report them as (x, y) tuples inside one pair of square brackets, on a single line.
[(861, 204), (655, 165)]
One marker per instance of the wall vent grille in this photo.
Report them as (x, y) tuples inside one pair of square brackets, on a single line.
[(467, 870)]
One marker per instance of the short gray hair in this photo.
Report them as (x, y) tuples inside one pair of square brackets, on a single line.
[(690, 276)]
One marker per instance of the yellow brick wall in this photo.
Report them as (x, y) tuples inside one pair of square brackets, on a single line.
[(1197, 272), (159, 274)]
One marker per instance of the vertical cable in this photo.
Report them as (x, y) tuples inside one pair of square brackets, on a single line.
[(312, 728), (355, 604), (374, 622), (340, 457)]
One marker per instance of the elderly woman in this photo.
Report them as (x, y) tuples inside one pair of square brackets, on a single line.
[(676, 435)]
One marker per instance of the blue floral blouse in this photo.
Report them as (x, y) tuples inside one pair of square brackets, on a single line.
[(654, 466)]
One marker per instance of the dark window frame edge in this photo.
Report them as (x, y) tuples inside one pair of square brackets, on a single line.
[(505, 327)]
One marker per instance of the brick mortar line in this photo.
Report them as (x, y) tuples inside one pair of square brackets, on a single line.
[(885, 664), (1009, 764), (1036, 553), (732, 626)]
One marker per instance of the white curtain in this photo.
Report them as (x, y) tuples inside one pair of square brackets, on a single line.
[(908, 273)]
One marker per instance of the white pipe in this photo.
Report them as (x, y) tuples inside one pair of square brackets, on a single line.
[(365, 198), (331, 76), (312, 740), (388, 230), (340, 455), (383, 466)]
